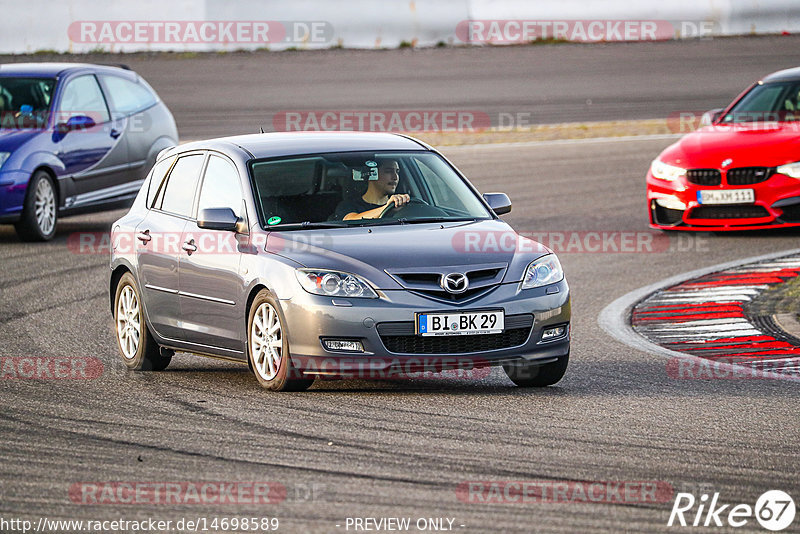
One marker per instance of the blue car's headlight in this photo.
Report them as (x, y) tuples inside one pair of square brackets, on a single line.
[(334, 284), (3, 157), (546, 270)]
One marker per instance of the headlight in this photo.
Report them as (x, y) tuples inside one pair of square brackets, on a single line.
[(791, 170), (334, 284), (3, 157), (546, 270), (662, 171)]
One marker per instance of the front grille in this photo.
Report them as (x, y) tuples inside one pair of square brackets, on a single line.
[(400, 338), (482, 280), (704, 176), (728, 212), (748, 175)]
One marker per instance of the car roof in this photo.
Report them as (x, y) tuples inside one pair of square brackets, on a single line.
[(277, 144), (55, 69), (787, 75)]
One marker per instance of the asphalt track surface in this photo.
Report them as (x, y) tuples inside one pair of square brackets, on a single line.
[(224, 94), (401, 448)]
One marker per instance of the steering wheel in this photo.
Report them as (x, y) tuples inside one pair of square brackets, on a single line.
[(389, 207)]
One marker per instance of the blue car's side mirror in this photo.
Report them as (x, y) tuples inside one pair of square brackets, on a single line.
[(78, 122)]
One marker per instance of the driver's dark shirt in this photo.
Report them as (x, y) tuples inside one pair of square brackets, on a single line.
[(353, 205)]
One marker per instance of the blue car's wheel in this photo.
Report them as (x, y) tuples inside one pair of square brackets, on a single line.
[(38, 222)]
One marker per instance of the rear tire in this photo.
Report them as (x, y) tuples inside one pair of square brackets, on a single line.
[(138, 349), (40, 211), (268, 346), (527, 375)]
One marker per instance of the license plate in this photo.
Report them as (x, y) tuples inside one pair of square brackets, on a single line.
[(726, 196), (460, 323)]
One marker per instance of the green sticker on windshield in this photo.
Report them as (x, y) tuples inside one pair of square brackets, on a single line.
[(273, 220)]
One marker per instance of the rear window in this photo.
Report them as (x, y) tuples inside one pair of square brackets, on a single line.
[(157, 176), (128, 97), (179, 192)]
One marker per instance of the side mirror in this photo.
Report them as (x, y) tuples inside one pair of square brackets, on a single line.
[(499, 202), (78, 122), (218, 219), (710, 117)]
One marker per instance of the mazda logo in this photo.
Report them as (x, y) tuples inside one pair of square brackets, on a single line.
[(455, 282)]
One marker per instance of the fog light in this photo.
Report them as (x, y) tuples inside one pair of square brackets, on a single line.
[(346, 345), (671, 203), (553, 333)]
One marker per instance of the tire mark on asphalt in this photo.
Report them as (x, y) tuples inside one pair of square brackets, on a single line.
[(19, 281), (7, 318)]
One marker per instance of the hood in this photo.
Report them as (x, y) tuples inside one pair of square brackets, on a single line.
[(371, 251), (10, 140), (748, 145)]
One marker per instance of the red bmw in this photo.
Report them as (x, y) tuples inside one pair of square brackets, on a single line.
[(739, 172)]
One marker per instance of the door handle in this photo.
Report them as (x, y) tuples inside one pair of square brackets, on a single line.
[(189, 247), (144, 237), (115, 133)]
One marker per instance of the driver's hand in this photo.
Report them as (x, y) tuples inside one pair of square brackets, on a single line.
[(399, 200)]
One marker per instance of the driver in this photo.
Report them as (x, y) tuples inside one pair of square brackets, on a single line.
[(379, 194)]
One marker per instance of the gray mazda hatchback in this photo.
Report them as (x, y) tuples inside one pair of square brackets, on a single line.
[(337, 254)]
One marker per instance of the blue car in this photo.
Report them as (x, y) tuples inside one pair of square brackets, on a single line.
[(74, 138)]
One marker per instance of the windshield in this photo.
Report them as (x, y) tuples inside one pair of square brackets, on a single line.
[(25, 102), (778, 101), (354, 188)]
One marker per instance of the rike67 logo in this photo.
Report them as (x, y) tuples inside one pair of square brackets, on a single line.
[(774, 510)]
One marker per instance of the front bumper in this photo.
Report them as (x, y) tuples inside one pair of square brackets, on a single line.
[(13, 186), (385, 329), (674, 206)]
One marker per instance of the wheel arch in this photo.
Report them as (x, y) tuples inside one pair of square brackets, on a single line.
[(116, 275)]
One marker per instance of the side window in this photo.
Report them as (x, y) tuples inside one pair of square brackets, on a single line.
[(126, 96), (221, 187), (157, 176), (179, 192), (82, 96)]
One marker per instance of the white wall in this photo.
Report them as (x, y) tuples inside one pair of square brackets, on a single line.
[(44, 25)]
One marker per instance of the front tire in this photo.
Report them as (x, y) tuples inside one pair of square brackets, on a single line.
[(528, 375), (268, 346), (40, 212), (138, 349)]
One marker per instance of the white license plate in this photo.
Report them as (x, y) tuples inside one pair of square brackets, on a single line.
[(460, 323), (726, 196)]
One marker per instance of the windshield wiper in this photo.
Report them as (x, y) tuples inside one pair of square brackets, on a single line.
[(418, 220), (308, 225)]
